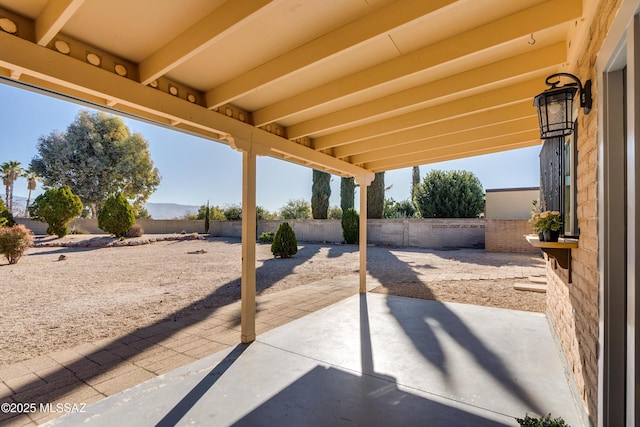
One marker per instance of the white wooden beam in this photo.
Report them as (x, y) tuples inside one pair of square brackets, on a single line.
[(84, 81), (352, 34), (198, 37), (514, 26), (471, 148), (488, 100), (433, 130), (55, 14), (539, 61), (451, 141)]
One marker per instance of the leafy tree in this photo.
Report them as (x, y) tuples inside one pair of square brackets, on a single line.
[(351, 226), (375, 197), (6, 219), (143, 213), (57, 207), (285, 244), (262, 213), (233, 212), (296, 209), (215, 213), (96, 157), (116, 216), (347, 193), (452, 194), (11, 171), (320, 193), (335, 212), (402, 209)]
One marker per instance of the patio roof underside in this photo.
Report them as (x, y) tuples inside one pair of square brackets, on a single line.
[(347, 86)]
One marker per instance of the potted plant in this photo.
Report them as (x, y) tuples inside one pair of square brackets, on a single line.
[(535, 220), (548, 223)]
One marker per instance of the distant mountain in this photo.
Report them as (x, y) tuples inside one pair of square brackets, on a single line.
[(19, 203), (156, 210), (170, 210)]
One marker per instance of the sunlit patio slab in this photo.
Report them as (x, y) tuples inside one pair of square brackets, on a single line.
[(367, 360)]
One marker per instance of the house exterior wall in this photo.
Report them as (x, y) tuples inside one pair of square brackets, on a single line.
[(573, 307), (503, 235), (510, 203)]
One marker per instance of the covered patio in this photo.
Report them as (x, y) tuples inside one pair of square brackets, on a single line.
[(371, 360), (359, 87)]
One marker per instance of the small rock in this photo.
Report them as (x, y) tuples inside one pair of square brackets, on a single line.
[(199, 251), (62, 257)]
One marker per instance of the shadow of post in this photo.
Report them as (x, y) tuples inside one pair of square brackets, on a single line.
[(187, 402), (426, 341), (64, 380)]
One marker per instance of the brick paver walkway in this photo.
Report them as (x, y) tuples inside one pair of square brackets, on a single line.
[(92, 371)]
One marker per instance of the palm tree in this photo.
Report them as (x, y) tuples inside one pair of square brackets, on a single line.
[(32, 179), (11, 170)]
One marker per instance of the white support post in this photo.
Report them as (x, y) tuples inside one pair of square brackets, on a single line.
[(248, 287), (364, 182)]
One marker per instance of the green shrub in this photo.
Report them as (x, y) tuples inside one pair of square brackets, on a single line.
[(402, 209), (6, 219), (284, 243), (351, 226), (266, 237), (14, 241), (117, 215), (451, 194), (528, 421), (136, 230), (57, 207)]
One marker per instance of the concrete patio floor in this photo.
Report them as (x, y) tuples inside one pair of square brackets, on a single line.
[(367, 360)]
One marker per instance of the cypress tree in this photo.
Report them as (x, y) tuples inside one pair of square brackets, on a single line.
[(320, 193), (347, 193), (375, 198)]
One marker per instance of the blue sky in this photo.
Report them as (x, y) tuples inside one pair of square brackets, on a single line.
[(195, 170)]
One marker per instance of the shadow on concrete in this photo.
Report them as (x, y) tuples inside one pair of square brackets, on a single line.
[(73, 375), (327, 396), (180, 410), (425, 339)]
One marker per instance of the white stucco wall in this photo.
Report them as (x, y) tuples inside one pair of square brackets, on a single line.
[(510, 203)]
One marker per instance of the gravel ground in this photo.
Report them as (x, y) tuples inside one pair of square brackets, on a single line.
[(57, 297)]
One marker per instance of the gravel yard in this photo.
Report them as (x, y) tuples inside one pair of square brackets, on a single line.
[(57, 297)]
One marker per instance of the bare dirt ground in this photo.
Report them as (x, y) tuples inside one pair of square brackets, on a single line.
[(58, 297)]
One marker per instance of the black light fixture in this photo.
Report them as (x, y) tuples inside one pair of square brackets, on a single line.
[(555, 105)]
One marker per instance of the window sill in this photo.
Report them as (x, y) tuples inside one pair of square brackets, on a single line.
[(560, 251)]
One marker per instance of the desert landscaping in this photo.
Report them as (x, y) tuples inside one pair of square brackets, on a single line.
[(83, 288)]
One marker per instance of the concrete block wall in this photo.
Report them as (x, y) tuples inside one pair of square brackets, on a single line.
[(424, 233), (150, 226), (573, 307), (508, 236)]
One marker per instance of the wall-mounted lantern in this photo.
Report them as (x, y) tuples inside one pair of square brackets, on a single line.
[(555, 105)]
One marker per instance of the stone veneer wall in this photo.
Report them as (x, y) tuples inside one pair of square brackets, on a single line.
[(507, 235), (573, 307)]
